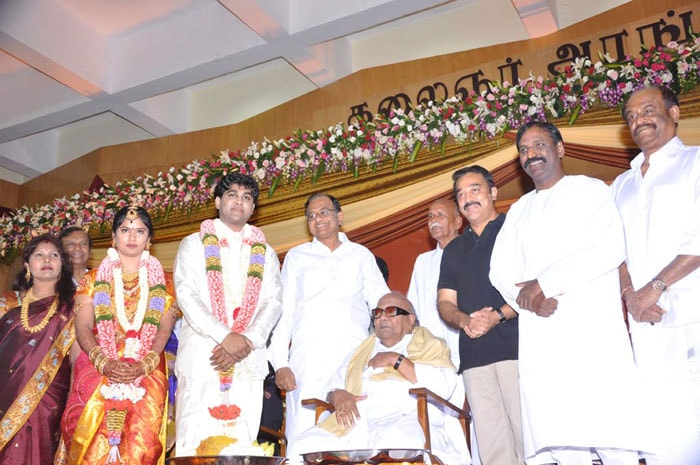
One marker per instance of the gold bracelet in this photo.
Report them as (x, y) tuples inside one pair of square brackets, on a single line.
[(622, 294), (146, 369), (98, 358), (101, 363), (152, 359), (92, 355)]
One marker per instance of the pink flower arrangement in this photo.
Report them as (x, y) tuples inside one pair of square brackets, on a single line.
[(308, 154)]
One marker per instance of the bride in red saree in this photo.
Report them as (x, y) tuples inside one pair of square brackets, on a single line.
[(36, 335), (124, 316)]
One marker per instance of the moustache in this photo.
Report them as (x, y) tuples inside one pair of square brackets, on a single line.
[(530, 161), (642, 126), (469, 204)]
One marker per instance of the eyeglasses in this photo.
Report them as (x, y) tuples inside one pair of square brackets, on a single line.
[(390, 311), (322, 213)]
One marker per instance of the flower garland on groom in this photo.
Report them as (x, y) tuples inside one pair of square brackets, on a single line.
[(229, 290)]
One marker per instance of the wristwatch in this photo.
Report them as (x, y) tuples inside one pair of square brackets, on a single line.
[(658, 285), (502, 316)]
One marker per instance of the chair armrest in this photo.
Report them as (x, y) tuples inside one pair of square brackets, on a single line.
[(423, 396), (447, 407), (320, 406)]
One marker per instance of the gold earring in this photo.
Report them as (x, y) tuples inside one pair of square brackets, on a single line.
[(27, 275), (148, 246)]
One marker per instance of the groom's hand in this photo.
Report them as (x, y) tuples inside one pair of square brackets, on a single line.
[(220, 359), (237, 346)]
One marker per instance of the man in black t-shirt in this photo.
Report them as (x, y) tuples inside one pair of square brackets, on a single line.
[(488, 345)]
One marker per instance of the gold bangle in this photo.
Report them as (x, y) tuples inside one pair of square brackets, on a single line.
[(146, 368), (622, 294), (100, 364), (99, 357), (152, 359), (92, 355)]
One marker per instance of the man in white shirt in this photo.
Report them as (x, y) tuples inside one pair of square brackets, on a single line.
[(228, 287), (330, 284), (555, 262), (659, 201), (444, 222), (369, 391)]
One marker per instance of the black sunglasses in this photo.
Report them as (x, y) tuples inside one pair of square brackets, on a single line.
[(390, 311)]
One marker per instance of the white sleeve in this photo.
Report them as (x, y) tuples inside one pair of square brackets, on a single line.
[(278, 352), (190, 282), (412, 293), (506, 267)]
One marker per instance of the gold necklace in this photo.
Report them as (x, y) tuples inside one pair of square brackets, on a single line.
[(24, 315), (130, 279)]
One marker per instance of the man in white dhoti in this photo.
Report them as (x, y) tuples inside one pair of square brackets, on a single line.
[(228, 288), (369, 392), (444, 222), (555, 261), (329, 284), (659, 201)]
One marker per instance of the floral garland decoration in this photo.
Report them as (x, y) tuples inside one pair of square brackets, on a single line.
[(583, 85), (215, 282), (140, 333)]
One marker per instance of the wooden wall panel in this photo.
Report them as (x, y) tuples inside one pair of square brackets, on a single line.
[(9, 194)]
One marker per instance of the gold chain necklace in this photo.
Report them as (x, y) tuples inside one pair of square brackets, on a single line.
[(24, 315)]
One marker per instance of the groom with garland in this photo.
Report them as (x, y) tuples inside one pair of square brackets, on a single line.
[(228, 287)]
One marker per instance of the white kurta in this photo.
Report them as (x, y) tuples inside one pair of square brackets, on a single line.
[(388, 418), (326, 302), (661, 214), (422, 292), (577, 375), (198, 382)]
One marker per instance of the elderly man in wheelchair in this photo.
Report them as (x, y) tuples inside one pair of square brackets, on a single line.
[(389, 393)]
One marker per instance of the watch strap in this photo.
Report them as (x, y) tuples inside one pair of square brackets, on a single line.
[(501, 316)]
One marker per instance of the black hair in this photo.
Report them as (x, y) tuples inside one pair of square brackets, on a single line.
[(553, 131), (669, 97), (70, 230), (141, 212), (471, 169), (65, 287), (239, 179), (333, 200), (383, 267)]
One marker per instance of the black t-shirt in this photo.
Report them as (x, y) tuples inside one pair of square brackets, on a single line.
[(465, 267)]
